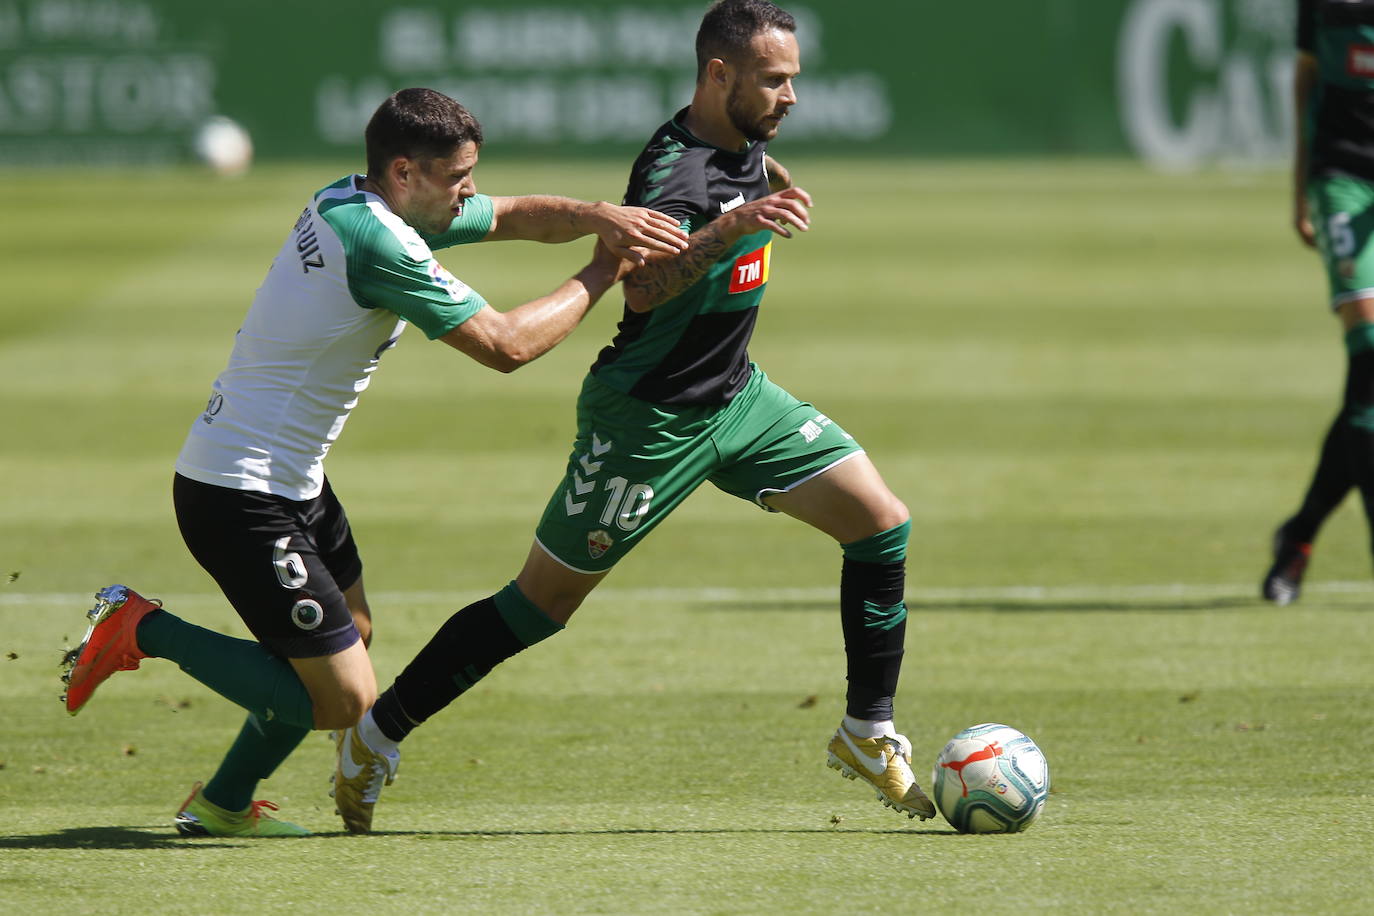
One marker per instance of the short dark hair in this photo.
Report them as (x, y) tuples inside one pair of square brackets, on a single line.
[(729, 26), (417, 124)]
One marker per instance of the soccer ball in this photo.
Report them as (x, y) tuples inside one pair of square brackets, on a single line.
[(990, 779), (224, 146)]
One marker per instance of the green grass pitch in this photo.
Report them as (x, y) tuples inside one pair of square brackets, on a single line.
[(1098, 389)]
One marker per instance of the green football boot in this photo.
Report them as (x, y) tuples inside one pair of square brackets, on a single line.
[(199, 817)]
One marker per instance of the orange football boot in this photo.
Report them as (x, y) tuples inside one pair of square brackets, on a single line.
[(110, 643)]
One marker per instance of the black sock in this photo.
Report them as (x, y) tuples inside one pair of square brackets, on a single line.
[(466, 648), (1330, 483), (1347, 456), (873, 616), (1359, 418)]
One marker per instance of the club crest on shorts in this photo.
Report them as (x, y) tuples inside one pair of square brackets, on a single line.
[(307, 614), (598, 542)]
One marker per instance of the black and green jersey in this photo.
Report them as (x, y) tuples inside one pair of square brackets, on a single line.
[(693, 349), (1340, 128)]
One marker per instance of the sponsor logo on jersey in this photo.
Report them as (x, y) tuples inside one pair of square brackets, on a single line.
[(1359, 60), (750, 271), (456, 289), (598, 542), (737, 201)]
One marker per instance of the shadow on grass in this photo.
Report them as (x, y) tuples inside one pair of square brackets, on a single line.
[(158, 838), (655, 831), (105, 838), (1006, 605)]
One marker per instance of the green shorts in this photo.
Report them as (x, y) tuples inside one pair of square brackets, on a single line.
[(634, 461), (1342, 210)]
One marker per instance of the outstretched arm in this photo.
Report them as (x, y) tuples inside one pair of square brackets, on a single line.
[(546, 218), (505, 341), (664, 276), (1304, 81)]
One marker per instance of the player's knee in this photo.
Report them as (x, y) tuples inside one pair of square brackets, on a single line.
[(897, 514), (554, 590), (559, 606), (345, 708), (890, 513), (341, 696)]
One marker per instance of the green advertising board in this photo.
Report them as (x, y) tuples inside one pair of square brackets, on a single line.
[(1177, 82)]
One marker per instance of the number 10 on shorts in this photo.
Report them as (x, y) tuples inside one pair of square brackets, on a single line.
[(626, 503)]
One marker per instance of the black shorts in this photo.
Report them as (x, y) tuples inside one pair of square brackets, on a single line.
[(282, 563)]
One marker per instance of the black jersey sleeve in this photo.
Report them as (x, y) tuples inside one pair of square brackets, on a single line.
[(1307, 25)]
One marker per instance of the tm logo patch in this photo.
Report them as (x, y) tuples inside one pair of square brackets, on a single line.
[(1359, 60), (750, 271)]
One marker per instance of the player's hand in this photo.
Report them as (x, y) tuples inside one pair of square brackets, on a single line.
[(776, 213), (1302, 221), (632, 232), (611, 264)]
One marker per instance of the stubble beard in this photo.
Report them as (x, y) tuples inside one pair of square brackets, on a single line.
[(755, 129)]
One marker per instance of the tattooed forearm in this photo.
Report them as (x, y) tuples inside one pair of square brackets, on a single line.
[(662, 279)]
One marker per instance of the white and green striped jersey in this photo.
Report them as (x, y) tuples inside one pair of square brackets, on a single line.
[(349, 277)]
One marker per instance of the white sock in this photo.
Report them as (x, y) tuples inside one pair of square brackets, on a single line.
[(869, 728), (372, 735)]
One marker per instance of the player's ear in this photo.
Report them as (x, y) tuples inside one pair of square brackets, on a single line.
[(398, 171), (717, 72)]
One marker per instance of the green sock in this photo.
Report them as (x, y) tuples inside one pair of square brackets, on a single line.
[(255, 754), (240, 670)]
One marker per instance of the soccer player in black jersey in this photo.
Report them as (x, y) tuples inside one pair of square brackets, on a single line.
[(1333, 211), (675, 401)]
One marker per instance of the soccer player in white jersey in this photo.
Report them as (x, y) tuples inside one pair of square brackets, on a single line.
[(252, 500)]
